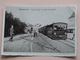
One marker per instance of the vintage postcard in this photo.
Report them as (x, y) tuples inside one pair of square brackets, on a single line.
[(39, 30)]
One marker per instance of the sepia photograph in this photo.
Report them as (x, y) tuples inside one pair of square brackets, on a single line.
[(39, 30)]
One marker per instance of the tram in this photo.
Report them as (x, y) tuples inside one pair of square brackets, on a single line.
[(55, 31)]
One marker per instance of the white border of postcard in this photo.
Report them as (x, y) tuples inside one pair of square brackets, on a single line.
[(33, 53)]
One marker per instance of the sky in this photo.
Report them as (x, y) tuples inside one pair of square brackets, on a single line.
[(42, 15)]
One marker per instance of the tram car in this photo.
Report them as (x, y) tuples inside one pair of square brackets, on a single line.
[(55, 31)]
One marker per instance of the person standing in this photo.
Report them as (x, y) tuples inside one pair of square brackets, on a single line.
[(35, 31), (73, 34), (31, 31), (11, 33)]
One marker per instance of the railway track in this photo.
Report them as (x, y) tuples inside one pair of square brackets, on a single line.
[(54, 48), (69, 44)]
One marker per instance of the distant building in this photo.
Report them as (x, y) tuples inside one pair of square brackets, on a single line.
[(71, 27), (71, 23)]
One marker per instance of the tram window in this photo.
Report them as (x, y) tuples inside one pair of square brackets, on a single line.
[(60, 27), (64, 27), (55, 28)]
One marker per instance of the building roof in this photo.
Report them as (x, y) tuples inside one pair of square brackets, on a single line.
[(72, 16)]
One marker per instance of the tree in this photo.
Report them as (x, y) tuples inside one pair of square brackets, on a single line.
[(8, 22), (18, 25)]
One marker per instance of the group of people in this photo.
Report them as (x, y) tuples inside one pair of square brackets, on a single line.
[(33, 31)]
